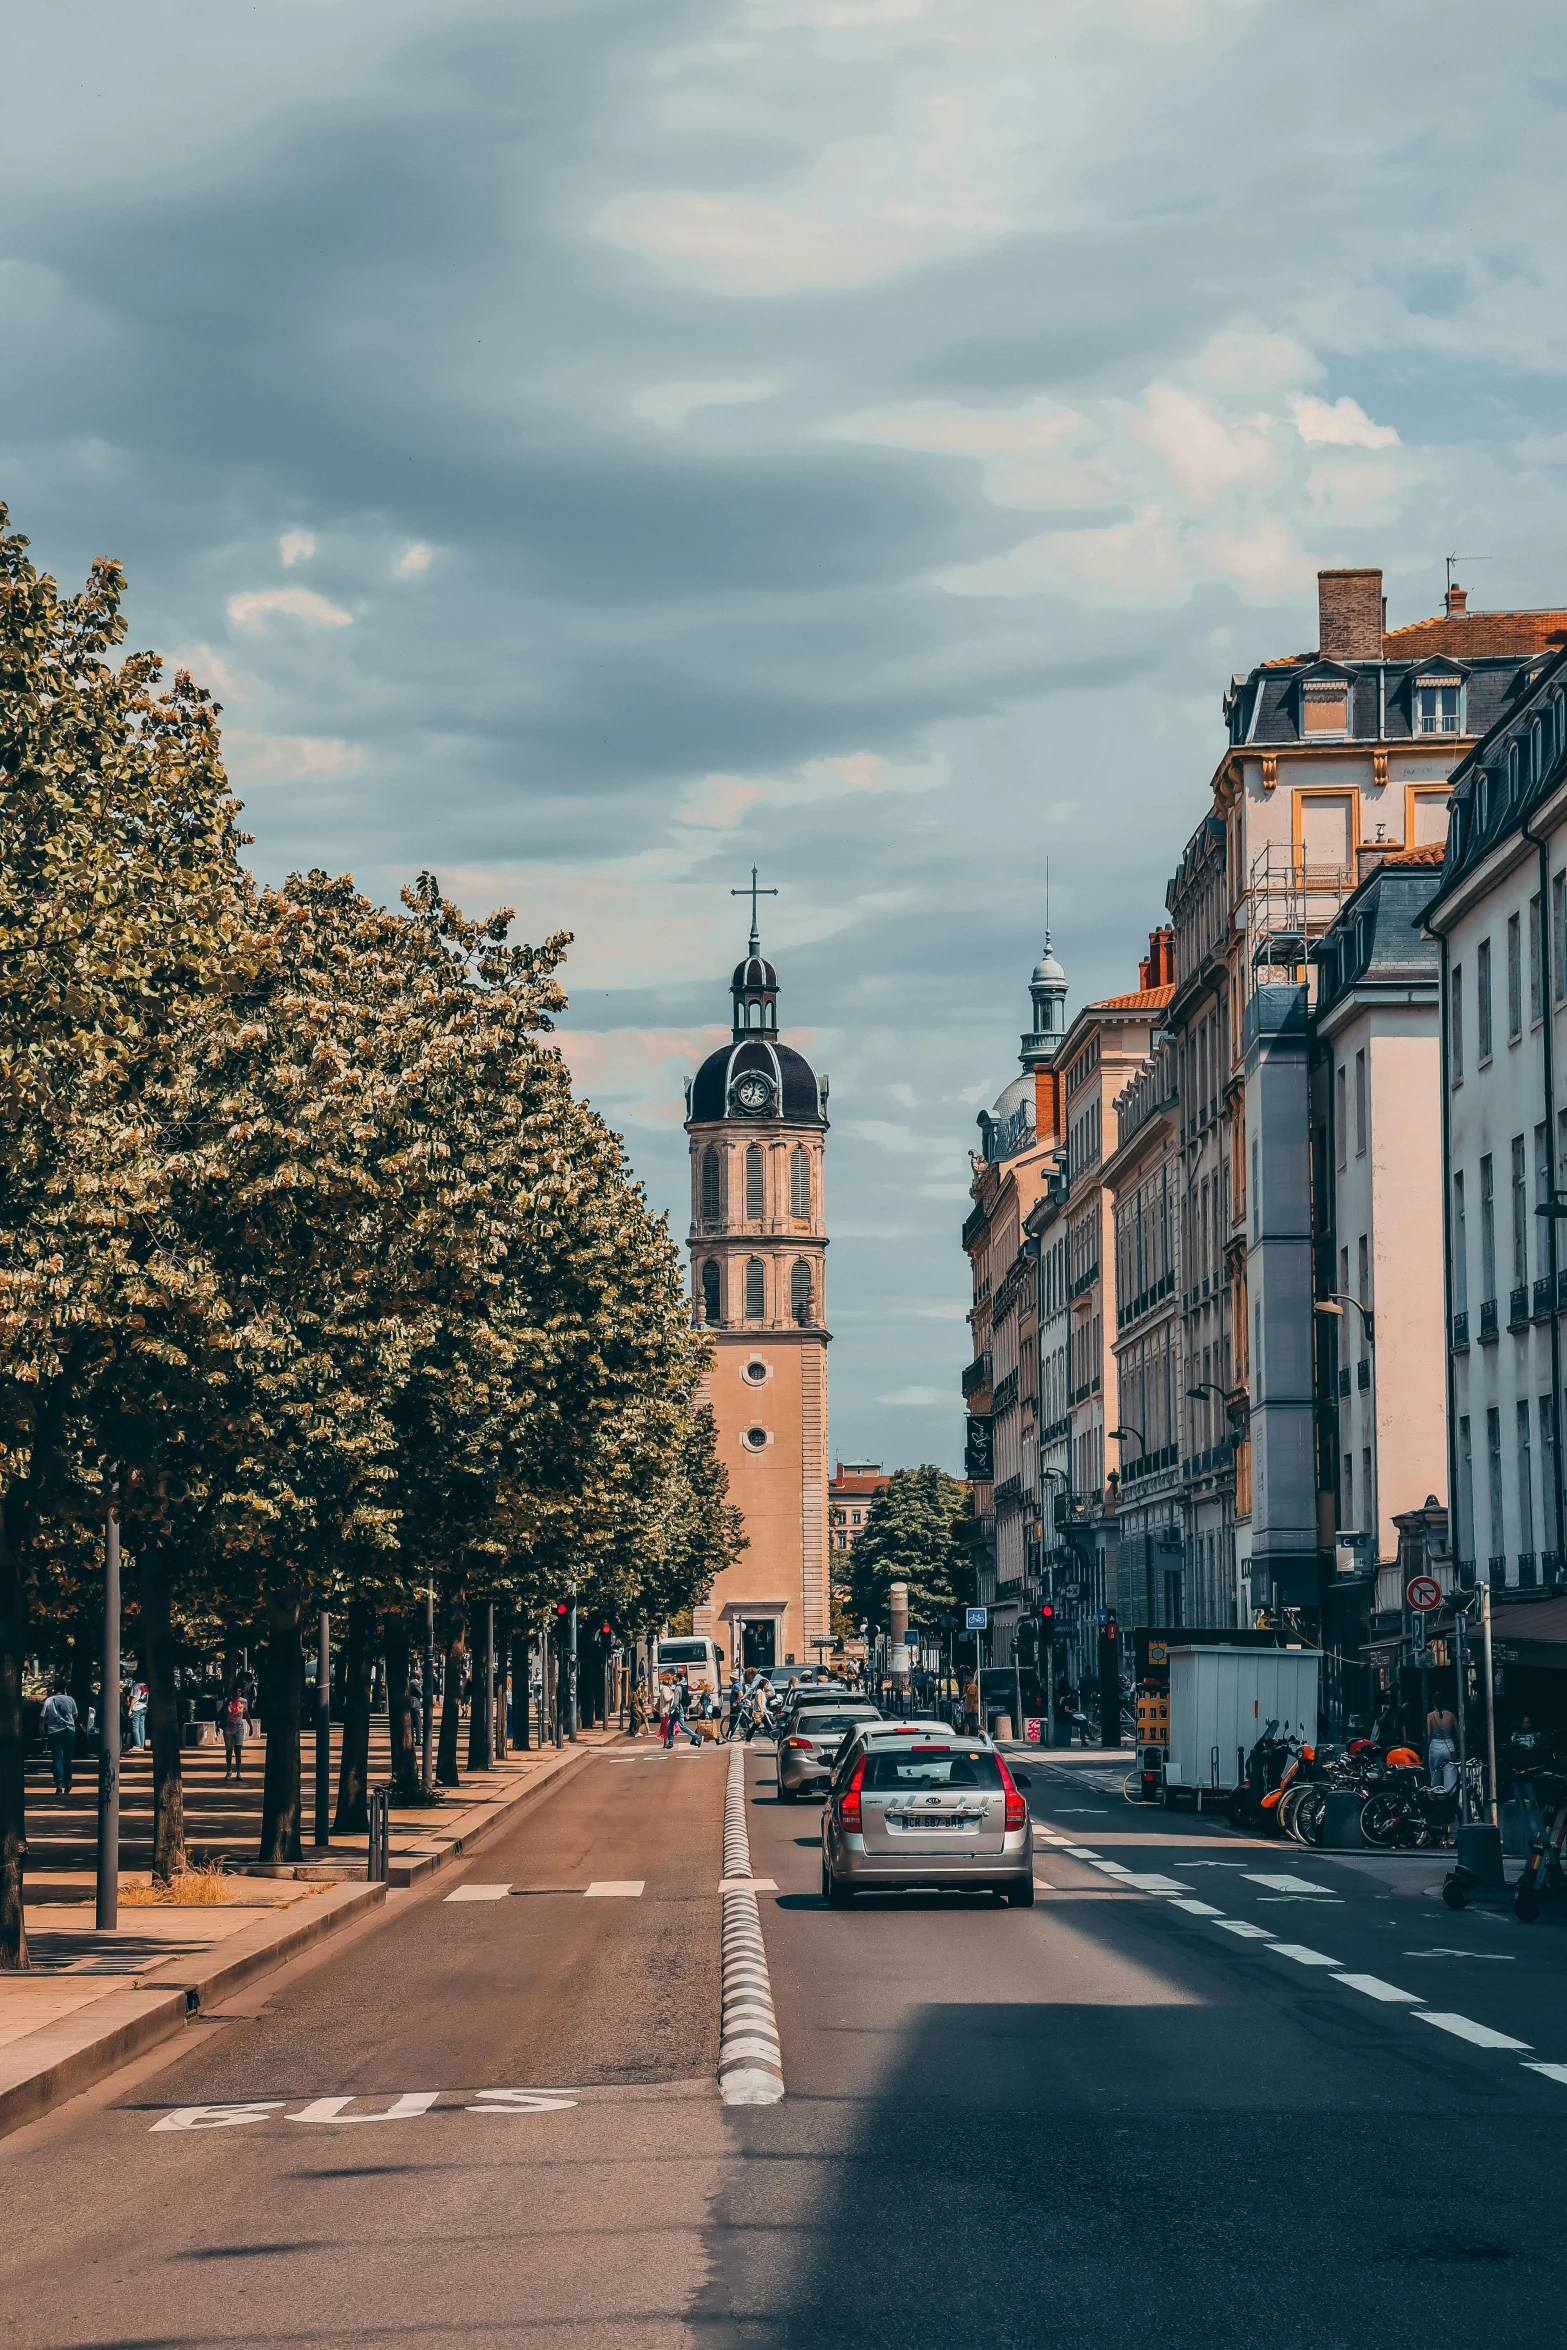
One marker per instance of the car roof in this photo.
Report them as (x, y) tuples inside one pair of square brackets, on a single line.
[(859, 1706)]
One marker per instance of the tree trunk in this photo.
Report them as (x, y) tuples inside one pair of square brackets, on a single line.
[(353, 1778), (478, 1697), (401, 1727), (13, 1785), (158, 1652), (285, 1689), (446, 1772)]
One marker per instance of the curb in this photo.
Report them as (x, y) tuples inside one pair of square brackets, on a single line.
[(750, 2059)]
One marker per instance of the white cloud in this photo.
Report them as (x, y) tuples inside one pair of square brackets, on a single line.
[(296, 546), (719, 801), (1344, 425), (413, 560), (1265, 562), (256, 758), (1135, 565), (1251, 361), (1039, 428), (1207, 455), (253, 609), (671, 406), (1352, 491), (902, 1397)]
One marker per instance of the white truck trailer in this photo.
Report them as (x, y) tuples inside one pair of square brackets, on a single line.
[(1221, 1701)]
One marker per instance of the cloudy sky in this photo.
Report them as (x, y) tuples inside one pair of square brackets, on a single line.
[(589, 445)]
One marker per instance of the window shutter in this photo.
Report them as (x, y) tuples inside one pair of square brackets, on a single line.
[(712, 1296), (799, 1183), (800, 1290), (753, 1180), (755, 1295), (712, 1202)]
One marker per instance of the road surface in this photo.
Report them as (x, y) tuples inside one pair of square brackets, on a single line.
[(1198, 2097)]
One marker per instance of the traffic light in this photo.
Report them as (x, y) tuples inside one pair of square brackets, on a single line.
[(1047, 1620), (1112, 1630)]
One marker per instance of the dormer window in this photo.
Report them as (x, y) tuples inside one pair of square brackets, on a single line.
[(1324, 707), (1438, 703)]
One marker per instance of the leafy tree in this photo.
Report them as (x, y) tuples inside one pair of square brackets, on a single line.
[(913, 1534)]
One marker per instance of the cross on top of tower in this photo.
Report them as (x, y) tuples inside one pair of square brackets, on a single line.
[(753, 893)]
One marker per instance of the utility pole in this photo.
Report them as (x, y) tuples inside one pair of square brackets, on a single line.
[(489, 1685), (324, 1728), (521, 1681), (571, 1668), (427, 1756), (108, 1916), (1490, 1705)]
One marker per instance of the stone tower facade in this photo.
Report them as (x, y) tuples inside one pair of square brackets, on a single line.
[(756, 1116)]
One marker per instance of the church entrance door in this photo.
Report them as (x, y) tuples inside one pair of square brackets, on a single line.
[(759, 1644)]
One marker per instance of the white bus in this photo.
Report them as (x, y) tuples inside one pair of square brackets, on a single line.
[(691, 1658)]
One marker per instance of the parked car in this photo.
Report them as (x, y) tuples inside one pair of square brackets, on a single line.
[(911, 1808), (809, 1739)]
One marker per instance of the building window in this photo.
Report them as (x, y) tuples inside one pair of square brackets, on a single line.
[(799, 1182), (1487, 1230), (1466, 1494), (1559, 936), (1493, 1475), (1360, 1105), (712, 1293), (1514, 979), (1536, 981), (755, 1440), (1342, 1104), (712, 1194), (754, 1372), (753, 1181), (1525, 1482), (1460, 1249), (755, 1290), (800, 1290), (1436, 706), (1256, 1194), (1520, 1215), (1325, 707), (1483, 999), (1455, 1025), (1548, 1471), (1347, 1497)]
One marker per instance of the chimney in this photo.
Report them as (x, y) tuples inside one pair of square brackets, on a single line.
[(1457, 599), (1349, 615)]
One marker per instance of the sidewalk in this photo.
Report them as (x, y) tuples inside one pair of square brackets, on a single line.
[(92, 2001)]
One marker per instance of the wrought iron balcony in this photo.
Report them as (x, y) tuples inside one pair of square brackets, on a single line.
[(1518, 1306), (1363, 1372), (1488, 1321), (977, 1375), (1542, 1297), (1460, 1333)]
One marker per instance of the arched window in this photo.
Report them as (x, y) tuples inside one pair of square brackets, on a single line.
[(753, 1180), (799, 1182), (800, 1290), (755, 1291), (712, 1192), (712, 1292)]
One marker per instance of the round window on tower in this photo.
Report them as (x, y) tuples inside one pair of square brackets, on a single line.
[(754, 1373), (755, 1440)]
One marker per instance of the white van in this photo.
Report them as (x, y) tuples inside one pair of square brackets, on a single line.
[(689, 1657)]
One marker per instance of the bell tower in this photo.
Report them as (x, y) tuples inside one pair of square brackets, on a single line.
[(756, 1121)]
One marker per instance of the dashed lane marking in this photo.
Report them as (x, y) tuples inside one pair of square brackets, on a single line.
[(1374, 1988), (1552, 2072), (1286, 1884), (1247, 1932), (616, 1888), (1462, 2028), (1197, 1909), (1304, 1957), (479, 1893)]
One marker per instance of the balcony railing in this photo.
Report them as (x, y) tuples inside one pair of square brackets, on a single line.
[(1460, 1333), (977, 1375), (1542, 1298), (1488, 1321), (1006, 1393), (1528, 1570), (1518, 1306), (1363, 1372), (1496, 1572), (1343, 1378), (1085, 1281)]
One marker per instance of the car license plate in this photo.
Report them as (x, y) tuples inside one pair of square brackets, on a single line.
[(936, 1820)]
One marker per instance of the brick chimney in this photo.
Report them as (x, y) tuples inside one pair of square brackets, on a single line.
[(1349, 615), (1457, 599), (1157, 968)]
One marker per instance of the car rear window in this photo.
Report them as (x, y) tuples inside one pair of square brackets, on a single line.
[(890, 1769), (823, 1725)]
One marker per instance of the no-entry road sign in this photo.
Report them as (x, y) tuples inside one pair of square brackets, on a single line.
[(1423, 1592)]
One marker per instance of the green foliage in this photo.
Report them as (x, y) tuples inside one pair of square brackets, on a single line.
[(913, 1534)]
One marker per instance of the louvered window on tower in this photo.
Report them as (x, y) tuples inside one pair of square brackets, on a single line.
[(712, 1295), (799, 1183), (800, 1290), (712, 1194), (755, 1294), (753, 1183)]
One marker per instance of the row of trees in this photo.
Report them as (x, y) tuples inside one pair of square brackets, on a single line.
[(917, 1531), (309, 1258)]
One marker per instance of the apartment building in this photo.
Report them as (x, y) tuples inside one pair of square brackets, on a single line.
[(1500, 921), (1143, 1178), (851, 1489)]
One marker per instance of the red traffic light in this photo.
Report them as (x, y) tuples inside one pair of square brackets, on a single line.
[(1112, 1630), (1047, 1614), (561, 1608), (609, 1631)]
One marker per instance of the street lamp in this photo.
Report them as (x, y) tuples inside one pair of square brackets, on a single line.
[(1122, 1433), (1335, 1302)]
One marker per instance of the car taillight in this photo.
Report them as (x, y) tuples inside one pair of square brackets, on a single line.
[(1017, 1809), (805, 1742), (849, 1800)]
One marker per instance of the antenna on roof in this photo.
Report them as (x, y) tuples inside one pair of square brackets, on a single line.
[(1452, 559)]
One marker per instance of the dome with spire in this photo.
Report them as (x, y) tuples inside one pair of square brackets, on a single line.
[(754, 1075)]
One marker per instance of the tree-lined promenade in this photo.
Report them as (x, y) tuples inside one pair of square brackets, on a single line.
[(309, 1257)]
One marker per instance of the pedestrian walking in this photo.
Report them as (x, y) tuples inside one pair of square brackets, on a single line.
[(971, 1704), (670, 1722), (138, 1716), (1442, 1746), (59, 1727), (235, 1725)]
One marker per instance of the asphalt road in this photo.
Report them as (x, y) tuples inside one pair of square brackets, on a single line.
[(1113, 2119)]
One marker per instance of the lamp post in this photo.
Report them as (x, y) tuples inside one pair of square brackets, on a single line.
[(323, 1728), (108, 1887), (1063, 1479)]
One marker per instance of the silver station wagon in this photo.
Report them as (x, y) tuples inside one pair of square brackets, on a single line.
[(808, 1742), (913, 1805)]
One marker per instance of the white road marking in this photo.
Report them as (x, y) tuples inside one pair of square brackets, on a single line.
[(218, 2117), (1247, 1932), (1197, 1909), (479, 1893), (1111, 1868), (1552, 2072), (1286, 1884), (406, 2108), (1493, 1957), (1153, 1884), (1304, 1957), (750, 2057), (519, 2101), (1481, 2035), (1080, 1851), (616, 1888), (1374, 1988)]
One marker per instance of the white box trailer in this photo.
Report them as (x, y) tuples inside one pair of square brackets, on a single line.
[(1222, 1700)]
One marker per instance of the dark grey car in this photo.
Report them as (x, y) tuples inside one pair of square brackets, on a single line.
[(808, 1743)]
